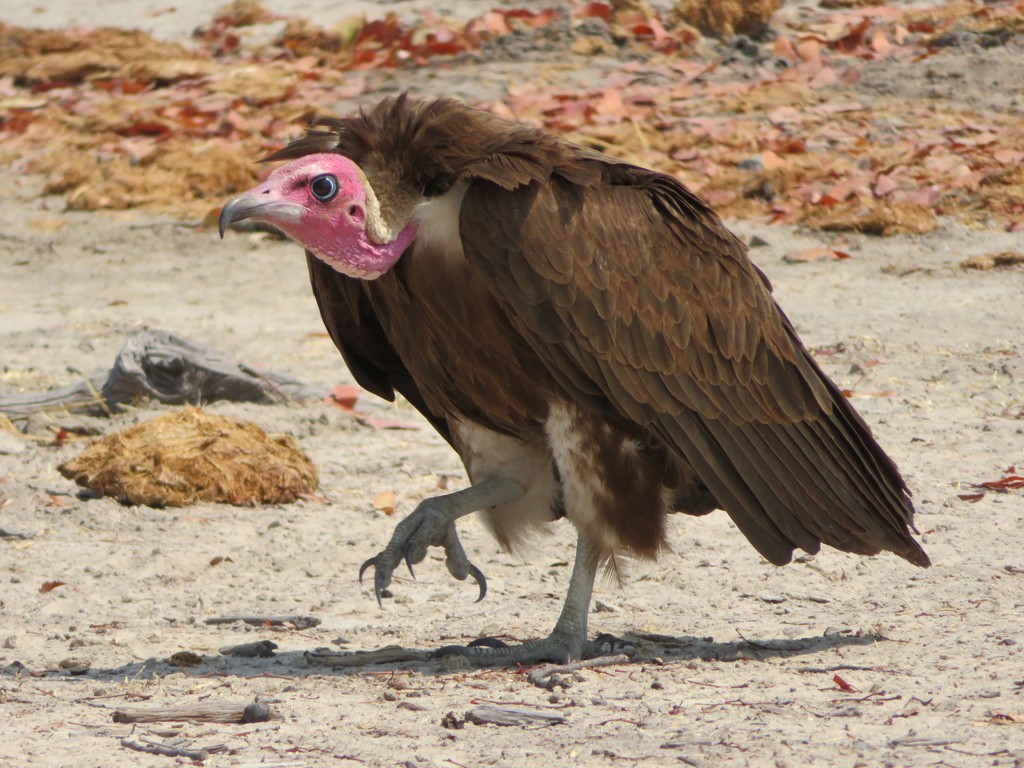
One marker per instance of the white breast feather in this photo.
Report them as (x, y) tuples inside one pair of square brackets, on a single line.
[(437, 221)]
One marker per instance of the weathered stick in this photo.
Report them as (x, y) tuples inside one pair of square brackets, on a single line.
[(158, 365), (298, 622), (492, 714), (210, 712), (154, 748)]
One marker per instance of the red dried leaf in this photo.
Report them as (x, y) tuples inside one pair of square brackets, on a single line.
[(445, 49), (843, 685), (771, 160), (879, 42), (496, 24), (1007, 156), (144, 128), (789, 146), (385, 31), (784, 48), (344, 396), (814, 254), (809, 50), (854, 39), (719, 198), (825, 77), (1011, 482), (49, 586), (119, 85), (971, 497), (601, 11), (535, 20)]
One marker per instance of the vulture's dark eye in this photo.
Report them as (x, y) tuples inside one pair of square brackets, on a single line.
[(324, 188)]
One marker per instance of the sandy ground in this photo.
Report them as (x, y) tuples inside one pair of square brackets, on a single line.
[(738, 658)]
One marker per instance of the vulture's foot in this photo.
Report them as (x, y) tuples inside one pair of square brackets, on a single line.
[(567, 642), (558, 648), (432, 524), (458, 563)]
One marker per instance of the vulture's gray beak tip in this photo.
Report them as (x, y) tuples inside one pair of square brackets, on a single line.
[(224, 221)]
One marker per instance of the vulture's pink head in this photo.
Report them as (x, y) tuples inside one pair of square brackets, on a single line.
[(325, 203)]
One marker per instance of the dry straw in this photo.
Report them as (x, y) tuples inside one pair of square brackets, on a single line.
[(190, 456)]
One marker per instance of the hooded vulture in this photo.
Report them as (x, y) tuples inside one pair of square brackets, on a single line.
[(585, 333)]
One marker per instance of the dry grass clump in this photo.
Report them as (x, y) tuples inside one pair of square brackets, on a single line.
[(38, 56), (176, 176), (190, 456), (881, 218), (725, 18)]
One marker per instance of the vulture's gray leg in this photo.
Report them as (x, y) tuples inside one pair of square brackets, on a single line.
[(567, 642), (432, 524)]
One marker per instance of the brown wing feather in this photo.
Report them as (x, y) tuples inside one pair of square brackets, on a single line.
[(634, 287), (357, 333)]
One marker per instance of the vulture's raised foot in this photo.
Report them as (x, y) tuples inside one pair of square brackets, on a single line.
[(455, 558), (432, 524), (557, 648)]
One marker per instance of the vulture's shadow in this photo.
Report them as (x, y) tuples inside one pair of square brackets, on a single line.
[(322, 662)]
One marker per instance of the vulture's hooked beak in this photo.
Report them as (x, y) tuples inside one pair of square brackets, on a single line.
[(250, 206)]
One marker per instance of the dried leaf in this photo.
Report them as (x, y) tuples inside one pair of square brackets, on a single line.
[(49, 586), (814, 254), (843, 685), (1002, 485), (344, 397), (783, 48), (1006, 718), (385, 502)]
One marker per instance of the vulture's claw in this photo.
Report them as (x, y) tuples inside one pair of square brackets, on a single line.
[(432, 524), (481, 582), (378, 582), (366, 564)]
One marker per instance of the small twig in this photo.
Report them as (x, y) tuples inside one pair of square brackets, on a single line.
[(838, 667), (296, 622), (922, 741), (877, 696), (712, 685), (153, 748)]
